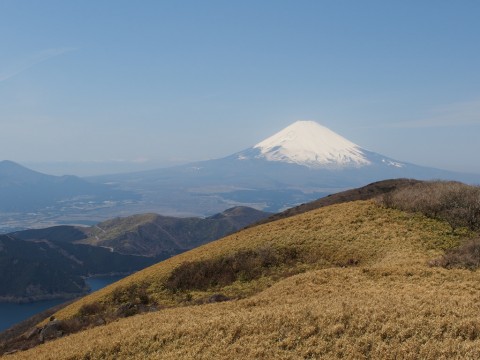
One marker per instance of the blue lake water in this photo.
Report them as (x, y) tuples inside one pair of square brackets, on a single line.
[(11, 314), (96, 283)]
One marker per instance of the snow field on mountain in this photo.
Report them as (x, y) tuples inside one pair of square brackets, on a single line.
[(311, 144)]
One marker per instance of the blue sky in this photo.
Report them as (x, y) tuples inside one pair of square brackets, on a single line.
[(147, 83)]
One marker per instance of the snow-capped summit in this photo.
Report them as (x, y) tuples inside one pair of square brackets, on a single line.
[(313, 145)]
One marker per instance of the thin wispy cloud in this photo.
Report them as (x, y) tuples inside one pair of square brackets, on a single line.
[(462, 113), (33, 60)]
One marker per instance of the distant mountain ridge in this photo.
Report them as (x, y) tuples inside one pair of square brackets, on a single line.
[(22, 189), (150, 234)]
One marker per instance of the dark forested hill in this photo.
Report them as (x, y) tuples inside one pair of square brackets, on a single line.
[(36, 270), (151, 234)]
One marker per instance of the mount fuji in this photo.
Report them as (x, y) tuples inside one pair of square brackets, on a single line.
[(300, 163), (310, 144)]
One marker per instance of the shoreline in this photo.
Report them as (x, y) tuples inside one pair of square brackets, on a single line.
[(12, 299)]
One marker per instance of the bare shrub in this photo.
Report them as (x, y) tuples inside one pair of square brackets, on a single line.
[(244, 265), (466, 256), (73, 325), (90, 309), (134, 293), (454, 202)]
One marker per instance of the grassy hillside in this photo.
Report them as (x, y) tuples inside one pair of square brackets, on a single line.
[(359, 233), (349, 280), (332, 313)]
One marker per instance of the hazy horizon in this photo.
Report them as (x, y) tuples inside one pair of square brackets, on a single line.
[(92, 88)]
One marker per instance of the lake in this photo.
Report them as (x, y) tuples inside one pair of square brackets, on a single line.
[(11, 314)]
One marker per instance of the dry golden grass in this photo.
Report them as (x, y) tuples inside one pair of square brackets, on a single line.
[(392, 305), (348, 313)]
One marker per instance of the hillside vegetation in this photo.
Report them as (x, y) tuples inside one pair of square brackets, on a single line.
[(351, 280), (367, 192), (454, 202)]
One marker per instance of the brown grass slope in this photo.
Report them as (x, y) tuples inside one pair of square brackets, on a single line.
[(332, 313), (344, 281)]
